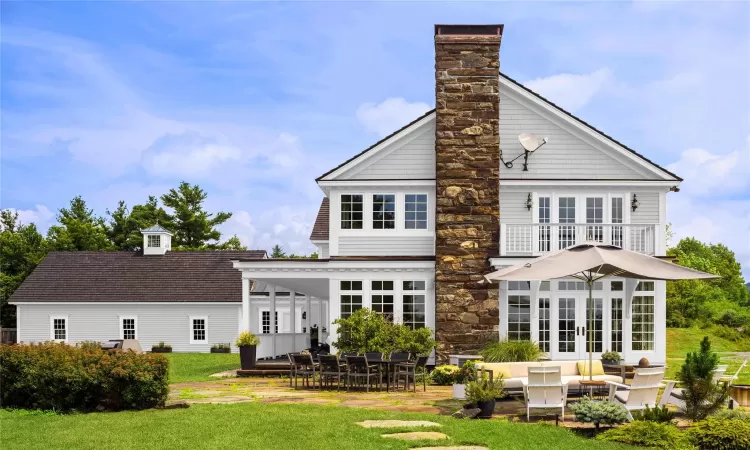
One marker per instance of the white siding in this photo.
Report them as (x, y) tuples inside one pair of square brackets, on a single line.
[(564, 156), (386, 246), (648, 211), (168, 323), (513, 207), (413, 160)]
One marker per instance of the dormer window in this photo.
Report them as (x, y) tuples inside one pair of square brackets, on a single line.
[(157, 240), (154, 241)]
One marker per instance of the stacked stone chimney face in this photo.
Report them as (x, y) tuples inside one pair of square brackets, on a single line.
[(467, 62)]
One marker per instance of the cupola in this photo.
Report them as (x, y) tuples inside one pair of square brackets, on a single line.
[(157, 240)]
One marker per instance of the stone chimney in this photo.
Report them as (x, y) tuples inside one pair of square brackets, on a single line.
[(467, 142)]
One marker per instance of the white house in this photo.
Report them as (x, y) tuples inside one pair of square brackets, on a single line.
[(408, 227)]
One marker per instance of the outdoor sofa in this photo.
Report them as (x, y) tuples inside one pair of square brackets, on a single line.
[(515, 374)]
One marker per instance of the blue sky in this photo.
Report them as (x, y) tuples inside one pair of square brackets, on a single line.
[(116, 101)]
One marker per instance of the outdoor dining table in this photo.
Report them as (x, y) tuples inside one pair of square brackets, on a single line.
[(387, 364)]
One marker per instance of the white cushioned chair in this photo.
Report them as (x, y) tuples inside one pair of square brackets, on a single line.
[(642, 391), (544, 389)]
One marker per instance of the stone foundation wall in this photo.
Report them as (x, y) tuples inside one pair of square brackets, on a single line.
[(467, 172)]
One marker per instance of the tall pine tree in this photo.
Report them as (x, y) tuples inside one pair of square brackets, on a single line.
[(193, 227), (125, 224), (78, 229)]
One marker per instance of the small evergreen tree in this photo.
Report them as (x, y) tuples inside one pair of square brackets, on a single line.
[(702, 395)]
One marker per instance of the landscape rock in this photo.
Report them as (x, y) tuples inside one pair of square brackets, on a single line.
[(397, 423), (417, 435), (467, 413), (177, 404)]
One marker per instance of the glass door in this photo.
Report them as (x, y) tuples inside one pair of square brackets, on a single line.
[(594, 214), (566, 332), (592, 321)]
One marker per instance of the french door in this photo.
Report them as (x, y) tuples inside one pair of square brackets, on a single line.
[(574, 321)]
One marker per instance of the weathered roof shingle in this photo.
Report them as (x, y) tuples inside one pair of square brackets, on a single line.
[(320, 229)]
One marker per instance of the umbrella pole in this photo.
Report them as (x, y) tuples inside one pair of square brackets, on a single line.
[(590, 313)]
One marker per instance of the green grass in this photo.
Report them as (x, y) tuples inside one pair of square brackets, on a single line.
[(260, 426), (198, 366), (680, 341)]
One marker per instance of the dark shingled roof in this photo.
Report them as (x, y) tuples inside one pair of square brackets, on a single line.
[(320, 229), (131, 277)]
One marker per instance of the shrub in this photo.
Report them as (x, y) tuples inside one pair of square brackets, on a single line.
[(610, 356), (733, 414), (467, 373), (599, 413), (511, 351), (88, 345), (161, 345), (648, 434), (221, 345), (61, 377), (659, 414), (368, 331), (444, 375), (702, 395), (247, 339), (484, 389), (720, 434)]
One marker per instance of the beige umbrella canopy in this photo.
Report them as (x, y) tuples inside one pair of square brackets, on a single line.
[(592, 261)]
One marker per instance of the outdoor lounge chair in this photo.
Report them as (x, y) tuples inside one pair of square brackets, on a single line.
[(408, 371), (303, 366), (641, 393), (545, 390), (358, 369), (676, 396), (331, 368)]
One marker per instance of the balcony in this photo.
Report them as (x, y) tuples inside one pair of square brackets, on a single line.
[(540, 238)]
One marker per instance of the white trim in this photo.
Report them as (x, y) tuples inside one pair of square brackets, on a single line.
[(309, 269), (52, 328), (205, 325), (122, 329), (319, 242), (139, 303), (377, 183), (646, 184)]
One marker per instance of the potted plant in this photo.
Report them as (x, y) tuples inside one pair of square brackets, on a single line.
[(221, 348), (610, 358), (467, 373), (483, 392), (161, 347), (247, 343)]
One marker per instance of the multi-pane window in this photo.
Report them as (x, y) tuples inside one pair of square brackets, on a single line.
[(198, 330), (59, 329), (351, 211), (617, 217), (567, 214), (617, 325), (578, 286), (519, 317), (643, 323), (351, 297), (594, 325), (128, 328), (415, 210), (544, 286), (154, 240), (544, 323), (414, 304), (647, 286), (545, 216), (519, 285), (265, 319), (595, 214), (382, 298), (566, 325), (383, 211), (616, 286)]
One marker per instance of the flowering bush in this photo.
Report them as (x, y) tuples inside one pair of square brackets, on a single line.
[(444, 375), (54, 376)]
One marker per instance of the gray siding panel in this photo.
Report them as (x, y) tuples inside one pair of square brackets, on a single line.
[(168, 323), (513, 210), (413, 160), (386, 246), (648, 211)]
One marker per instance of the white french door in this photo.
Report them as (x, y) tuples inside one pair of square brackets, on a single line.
[(570, 329)]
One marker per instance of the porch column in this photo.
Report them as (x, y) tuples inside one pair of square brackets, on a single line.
[(308, 318), (320, 316), (245, 304), (272, 299), (293, 312)]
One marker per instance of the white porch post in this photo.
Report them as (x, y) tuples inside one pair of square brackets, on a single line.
[(308, 315), (320, 316), (245, 304), (272, 299), (293, 313)]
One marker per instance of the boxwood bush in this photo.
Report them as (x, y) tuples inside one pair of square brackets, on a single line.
[(54, 376), (720, 434)]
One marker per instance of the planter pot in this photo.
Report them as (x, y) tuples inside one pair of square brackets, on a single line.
[(740, 393), (161, 350), (221, 350), (487, 408), (459, 391), (610, 361), (247, 357)]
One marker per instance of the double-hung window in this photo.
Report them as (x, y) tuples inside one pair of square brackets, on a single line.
[(198, 330), (383, 211), (265, 325), (128, 327), (351, 211), (59, 328), (350, 295), (413, 297), (382, 298), (415, 211), (519, 312), (643, 317), (567, 214)]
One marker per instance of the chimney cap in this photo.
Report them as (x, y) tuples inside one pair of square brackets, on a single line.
[(469, 30)]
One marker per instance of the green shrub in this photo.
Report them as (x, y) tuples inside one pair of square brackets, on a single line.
[(468, 372), (89, 345), (720, 434), (610, 356), (246, 339), (484, 389), (444, 375), (658, 414), (161, 345), (221, 346), (368, 331), (511, 351), (54, 376), (702, 395), (733, 414), (599, 413), (648, 434)]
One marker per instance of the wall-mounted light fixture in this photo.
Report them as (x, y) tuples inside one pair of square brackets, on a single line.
[(529, 202), (304, 315), (634, 203)]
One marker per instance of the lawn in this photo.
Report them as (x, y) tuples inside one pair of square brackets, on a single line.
[(261, 426), (680, 341), (198, 366)]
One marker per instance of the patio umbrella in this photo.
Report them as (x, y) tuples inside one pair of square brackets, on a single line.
[(591, 261)]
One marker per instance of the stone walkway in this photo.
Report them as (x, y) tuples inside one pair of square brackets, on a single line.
[(415, 435)]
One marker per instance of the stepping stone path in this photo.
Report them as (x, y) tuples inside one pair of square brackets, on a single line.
[(416, 435), (457, 447), (396, 423)]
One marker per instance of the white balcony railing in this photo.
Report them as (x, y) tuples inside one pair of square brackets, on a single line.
[(540, 238)]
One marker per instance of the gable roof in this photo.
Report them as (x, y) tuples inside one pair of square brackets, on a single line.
[(547, 103), (320, 229), (192, 276), (156, 229)]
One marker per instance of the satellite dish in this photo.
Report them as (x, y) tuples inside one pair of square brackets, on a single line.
[(530, 141)]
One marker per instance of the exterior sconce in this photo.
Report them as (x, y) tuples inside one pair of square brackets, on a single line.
[(304, 315), (634, 203), (529, 202)]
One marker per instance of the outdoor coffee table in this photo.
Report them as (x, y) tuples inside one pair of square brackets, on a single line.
[(597, 389)]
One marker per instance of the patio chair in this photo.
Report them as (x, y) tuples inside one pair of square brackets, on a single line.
[(398, 357), (676, 396), (545, 390), (642, 391), (374, 356), (358, 369), (330, 368), (408, 370), (303, 366)]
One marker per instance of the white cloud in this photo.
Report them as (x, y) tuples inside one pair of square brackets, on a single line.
[(570, 91), (41, 216), (388, 116), (708, 175)]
